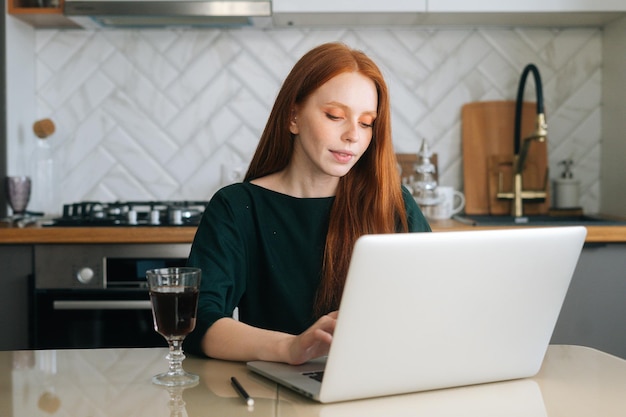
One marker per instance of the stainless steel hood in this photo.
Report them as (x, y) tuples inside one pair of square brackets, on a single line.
[(159, 13)]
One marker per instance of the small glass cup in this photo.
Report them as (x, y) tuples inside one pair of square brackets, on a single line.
[(18, 193), (174, 296)]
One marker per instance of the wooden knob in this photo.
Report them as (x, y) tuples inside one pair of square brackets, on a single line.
[(43, 128)]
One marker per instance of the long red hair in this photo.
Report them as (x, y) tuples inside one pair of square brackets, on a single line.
[(368, 198)]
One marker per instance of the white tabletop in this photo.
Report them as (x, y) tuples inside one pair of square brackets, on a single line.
[(573, 381)]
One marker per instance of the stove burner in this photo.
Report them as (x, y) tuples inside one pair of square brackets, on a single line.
[(131, 213)]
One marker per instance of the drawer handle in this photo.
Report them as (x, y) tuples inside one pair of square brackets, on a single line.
[(102, 305)]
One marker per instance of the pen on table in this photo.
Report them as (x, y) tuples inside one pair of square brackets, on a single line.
[(241, 391)]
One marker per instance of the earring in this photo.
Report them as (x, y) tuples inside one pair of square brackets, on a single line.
[(293, 125)]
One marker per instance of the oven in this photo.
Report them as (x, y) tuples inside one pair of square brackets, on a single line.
[(96, 296)]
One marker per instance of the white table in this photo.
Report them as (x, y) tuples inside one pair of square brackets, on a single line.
[(573, 381)]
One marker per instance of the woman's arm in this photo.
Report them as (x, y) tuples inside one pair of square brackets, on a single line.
[(235, 262), (230, 339)]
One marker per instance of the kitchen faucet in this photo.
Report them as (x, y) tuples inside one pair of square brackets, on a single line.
[(540, 134)]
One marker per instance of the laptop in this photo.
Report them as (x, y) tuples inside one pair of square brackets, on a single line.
[(424, 311)]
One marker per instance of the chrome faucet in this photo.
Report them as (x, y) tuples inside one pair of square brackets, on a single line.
[(540, 134)]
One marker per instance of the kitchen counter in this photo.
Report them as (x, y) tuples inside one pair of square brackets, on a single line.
[(36, 235), (595, 234), (573, 381)]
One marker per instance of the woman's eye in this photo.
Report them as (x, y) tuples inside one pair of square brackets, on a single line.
[(367, 123), (332, 116)]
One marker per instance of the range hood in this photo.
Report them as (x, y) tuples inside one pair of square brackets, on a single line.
[(161, 13)]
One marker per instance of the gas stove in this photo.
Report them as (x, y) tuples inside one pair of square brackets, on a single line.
[(131, 213)]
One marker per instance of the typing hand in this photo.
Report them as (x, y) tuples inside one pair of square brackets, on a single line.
[(313, 342)]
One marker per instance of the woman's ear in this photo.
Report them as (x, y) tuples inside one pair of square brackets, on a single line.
[(293, 123)]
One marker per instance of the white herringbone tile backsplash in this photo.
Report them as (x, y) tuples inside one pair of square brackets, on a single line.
[(173, 114)]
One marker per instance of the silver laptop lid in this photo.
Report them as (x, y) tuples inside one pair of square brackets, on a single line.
[(433, 310)]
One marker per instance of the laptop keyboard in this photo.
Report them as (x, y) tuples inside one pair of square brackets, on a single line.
[(316, 375)]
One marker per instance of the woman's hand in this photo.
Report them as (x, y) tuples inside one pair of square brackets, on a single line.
[(314, 341), (236, 341)]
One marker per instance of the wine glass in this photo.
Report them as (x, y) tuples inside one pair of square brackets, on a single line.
[(18, 193), (174, 297)]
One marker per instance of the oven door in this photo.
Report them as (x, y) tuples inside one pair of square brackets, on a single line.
[(96, 296), (98, 318)]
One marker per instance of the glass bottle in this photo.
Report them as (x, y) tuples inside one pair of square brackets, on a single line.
[(425, 185), (44, 177)]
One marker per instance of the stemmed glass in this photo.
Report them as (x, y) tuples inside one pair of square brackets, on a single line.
[(18, 193), (174, 296)]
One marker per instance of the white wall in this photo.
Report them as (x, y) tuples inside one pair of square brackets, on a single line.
[(164, 114), (20, 93)]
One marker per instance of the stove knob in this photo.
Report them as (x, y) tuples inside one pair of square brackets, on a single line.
[(85, 275), (154, 217), (132, 217), (176, 216)]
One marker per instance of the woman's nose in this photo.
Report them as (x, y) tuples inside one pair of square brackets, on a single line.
[(352, 133)]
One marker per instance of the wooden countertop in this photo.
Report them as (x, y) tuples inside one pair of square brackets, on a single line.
[(595, 234), (185, 234), (34, 235)]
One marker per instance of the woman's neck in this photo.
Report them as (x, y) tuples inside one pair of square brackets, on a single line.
[(297, 185)]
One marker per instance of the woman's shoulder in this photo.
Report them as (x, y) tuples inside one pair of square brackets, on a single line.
[(235, 189), (415, 217), (409, 200), (245, 190)]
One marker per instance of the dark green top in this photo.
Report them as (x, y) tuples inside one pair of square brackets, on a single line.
[(262, 251)]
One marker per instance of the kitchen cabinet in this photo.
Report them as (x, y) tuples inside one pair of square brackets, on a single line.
[(447, 12), (526, 6), (347, 6), (15, 273), (527, 13), (347, 12), (594, 311), (39, 17)]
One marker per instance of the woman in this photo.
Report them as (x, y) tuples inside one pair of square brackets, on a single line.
[(278, 245)]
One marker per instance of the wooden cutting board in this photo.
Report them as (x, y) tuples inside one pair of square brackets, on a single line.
[(487, 138)]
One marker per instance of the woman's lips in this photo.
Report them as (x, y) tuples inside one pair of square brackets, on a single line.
[(342, 156)]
